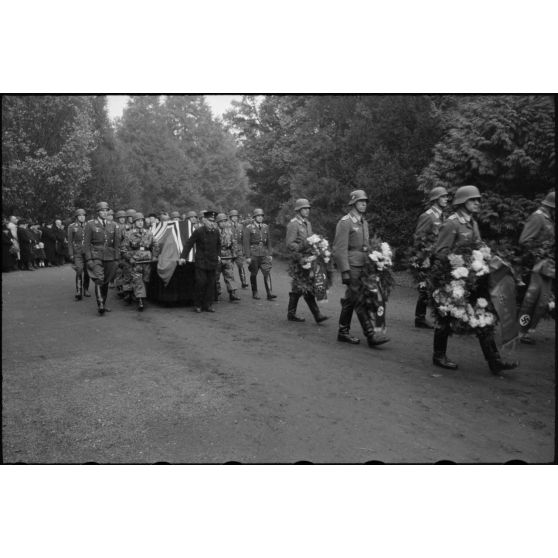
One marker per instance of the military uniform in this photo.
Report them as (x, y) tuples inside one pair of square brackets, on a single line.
[(238, 230), (461, 230), (226, 265), (76, 252), (538, 229), (428, 225), (207, 241), (298, 230), (350, 250), (257, 247), (138, 249), (101, 246)]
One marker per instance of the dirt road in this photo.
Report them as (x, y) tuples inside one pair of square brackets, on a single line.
[(245, 385)]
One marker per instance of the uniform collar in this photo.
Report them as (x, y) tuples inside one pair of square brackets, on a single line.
[(355, 216), (301, 219), (463, 217), (545, 211), (436, 210)]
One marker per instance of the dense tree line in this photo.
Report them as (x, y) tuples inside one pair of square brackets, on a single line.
[(59, 152)]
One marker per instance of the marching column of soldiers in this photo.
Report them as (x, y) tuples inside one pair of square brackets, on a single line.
[(120, 253)]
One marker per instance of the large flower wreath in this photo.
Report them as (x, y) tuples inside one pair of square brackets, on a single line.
[(310, 268), (459, 287), (377, 281), (420, 260)]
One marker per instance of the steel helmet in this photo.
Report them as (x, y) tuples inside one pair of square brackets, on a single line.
[(233, 213), (130, 212), (221, 217), (257, 212), (101, 205), (79, 212), (549, 200), (358, 195), (301, 203), (120, 213), (175, 215), (138, 216), (465, 193), (191, 214), (437, 193)]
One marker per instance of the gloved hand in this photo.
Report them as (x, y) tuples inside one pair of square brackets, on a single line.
[(346, 278)]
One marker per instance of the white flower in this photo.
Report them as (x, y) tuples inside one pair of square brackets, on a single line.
[(310, 258), (327, 253), (307, 266), (476, 265), (485, 251), (326, 259), (386, 250), (313, 239), (551, 305), (460, 272), (456, 260), (482, 302)]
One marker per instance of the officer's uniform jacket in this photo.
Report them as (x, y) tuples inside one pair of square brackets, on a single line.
[(101, 242), (207, 241), (460, 229), (257, 240), (298, 230), (351, 243), (538, 228), (429, 222), (76, 239), (237, 232)]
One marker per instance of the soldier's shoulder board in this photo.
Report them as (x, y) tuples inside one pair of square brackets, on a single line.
[(293, 220), (345, 217), (452, 217), (538, 212)]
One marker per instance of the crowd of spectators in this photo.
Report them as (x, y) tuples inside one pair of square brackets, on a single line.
[(29, 245)]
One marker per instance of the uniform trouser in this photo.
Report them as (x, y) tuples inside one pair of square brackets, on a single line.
[(422, 304), (80, 268), (140, 274), (257, 263), (485, 337), (123, 276), (204, 292), (226, 268), (308, 296), (241, 272), (101, 271), (350, 304), (535, 302)]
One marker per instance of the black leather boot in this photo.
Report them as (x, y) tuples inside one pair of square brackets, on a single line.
[(314, 308), (374, 338), (99, 297), (104, 292), (267, 284), (492, 355), (439, 357), (254, 285), (233, 297), (345, 318), (140, 304), (79, 288), (242, 273), (86, 284), (291, 309)]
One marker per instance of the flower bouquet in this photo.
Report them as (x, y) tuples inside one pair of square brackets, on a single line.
[(310, 268), (376, 281), (459, 286), (419, 262)]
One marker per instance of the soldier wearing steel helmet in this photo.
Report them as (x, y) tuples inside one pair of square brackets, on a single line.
[(238, 230), (538, 235), (226, 263), (102, 252), (298, 231), (428, 226), (130, 218), (350, 250), (257, 248), (461, 230), (138, 249), (76, 253)]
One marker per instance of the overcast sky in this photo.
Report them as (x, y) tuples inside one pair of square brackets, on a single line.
[(218, 103)]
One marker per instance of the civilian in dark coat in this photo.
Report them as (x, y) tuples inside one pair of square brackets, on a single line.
[(61, 246), (49, 240), (207, 240), (9, 258), (25, 245)]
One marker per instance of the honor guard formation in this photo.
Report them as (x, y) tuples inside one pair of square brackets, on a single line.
[(182, 256)]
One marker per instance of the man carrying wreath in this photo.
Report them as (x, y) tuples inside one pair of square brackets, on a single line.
[(458, 303), (303, 270), (350, 250)]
